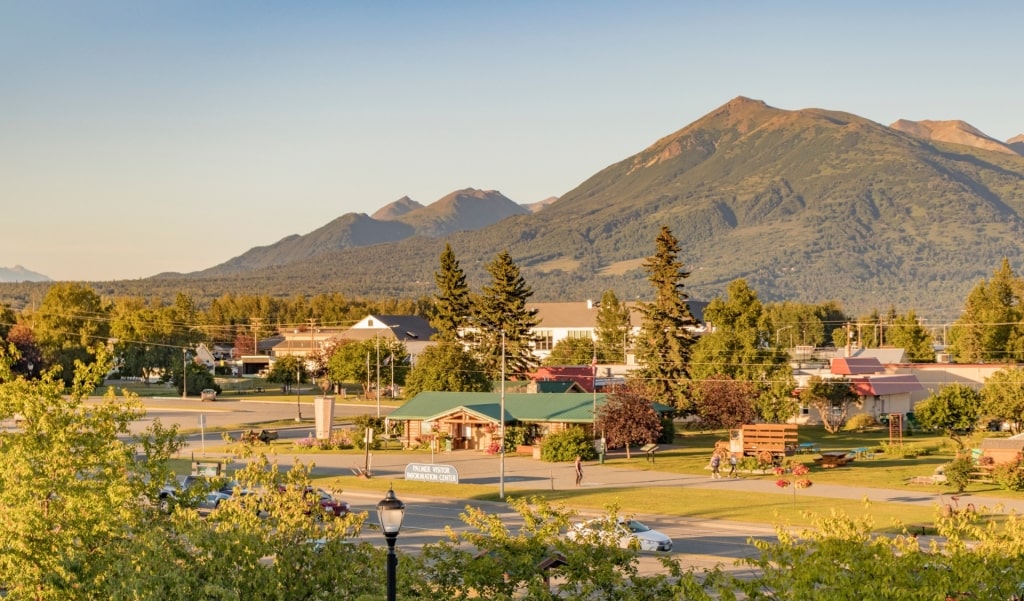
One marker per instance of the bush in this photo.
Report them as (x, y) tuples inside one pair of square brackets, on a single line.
[(859, 422), (566, 445), (958, 473), (668, 431), (1009, 476)]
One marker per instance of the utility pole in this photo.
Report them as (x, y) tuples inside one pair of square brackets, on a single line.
[(257, 323), (184, 373), (378, 373)]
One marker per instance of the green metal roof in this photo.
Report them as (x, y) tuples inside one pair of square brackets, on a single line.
[(519, 407)]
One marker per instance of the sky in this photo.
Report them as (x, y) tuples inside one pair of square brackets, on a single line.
[(143, 137)]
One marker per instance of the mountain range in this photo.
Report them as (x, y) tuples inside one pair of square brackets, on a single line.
[(806, 205)]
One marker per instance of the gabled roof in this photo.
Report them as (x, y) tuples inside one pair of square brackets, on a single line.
[(885, 385), (854, 366), (885, 356), (558, 386), (395, 327), (519, 407)]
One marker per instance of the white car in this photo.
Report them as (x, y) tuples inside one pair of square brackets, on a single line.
[(623, 533)]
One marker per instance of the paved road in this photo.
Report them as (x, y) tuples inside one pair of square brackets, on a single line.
[(701, 542)]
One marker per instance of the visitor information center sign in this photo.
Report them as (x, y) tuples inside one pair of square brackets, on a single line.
[(429, 472)]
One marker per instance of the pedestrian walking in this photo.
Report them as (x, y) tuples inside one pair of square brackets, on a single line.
[(715, 462), (732, 466), (579, 470)]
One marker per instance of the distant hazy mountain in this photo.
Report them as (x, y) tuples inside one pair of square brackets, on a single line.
[(533, 207), (461, 210), (20, 274), (954, 132)]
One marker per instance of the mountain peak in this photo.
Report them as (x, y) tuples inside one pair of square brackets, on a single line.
[(20, 274), (954, 132), (396, 209)]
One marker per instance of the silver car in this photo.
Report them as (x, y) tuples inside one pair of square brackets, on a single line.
[(624, 532)]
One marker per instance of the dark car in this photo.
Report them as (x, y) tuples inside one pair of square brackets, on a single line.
[(322, 503)]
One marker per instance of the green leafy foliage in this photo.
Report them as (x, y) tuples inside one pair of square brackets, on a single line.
[(566, 445), (860, 422), (954, 410), (1009, 475), (832, 398), (446, 367), (1003, 397), (958, 473)]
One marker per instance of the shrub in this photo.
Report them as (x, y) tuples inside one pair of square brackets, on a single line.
[(859, 422), (1009, 476), (566, 445), (958, 473), (668, 431)]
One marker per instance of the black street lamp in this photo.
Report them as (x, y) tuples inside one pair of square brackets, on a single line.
[(390, 512)]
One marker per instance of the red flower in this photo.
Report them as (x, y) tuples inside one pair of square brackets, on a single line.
[(782, 483)]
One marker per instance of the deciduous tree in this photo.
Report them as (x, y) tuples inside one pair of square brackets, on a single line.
[(446, 367), (571, 351), (832, 398), (628, 417), (1003, 397), (721, 402), (954, 409), (70, 322)]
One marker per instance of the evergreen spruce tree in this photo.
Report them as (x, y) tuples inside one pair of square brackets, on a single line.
[(986, 330), (612, 329), (664, 345), (450, 313), (501, 308)]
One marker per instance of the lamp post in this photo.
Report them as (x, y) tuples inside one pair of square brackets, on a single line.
[(777, 334), (390, 513), (298, 380)]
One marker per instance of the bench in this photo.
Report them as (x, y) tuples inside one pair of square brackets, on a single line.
[(808, 447), (649, 450)]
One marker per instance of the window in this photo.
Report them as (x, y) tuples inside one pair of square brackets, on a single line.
[(580, 334), (543, 340)]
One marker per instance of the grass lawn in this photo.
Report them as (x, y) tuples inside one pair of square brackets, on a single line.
[(690, 456)]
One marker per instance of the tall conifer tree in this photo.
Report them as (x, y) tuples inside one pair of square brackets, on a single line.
[(613, 329), (501, 307), (452, 305), (664, 345)]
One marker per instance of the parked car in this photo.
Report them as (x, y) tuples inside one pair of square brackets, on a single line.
[(624, 532), (328, 503), (322, 503), (208, 394), (179, 492)]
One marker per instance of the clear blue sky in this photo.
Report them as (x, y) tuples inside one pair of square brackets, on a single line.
[(145, 136)]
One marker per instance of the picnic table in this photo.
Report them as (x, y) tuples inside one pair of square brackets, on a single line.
[(808, 447), (863, 453), (830, 459)]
